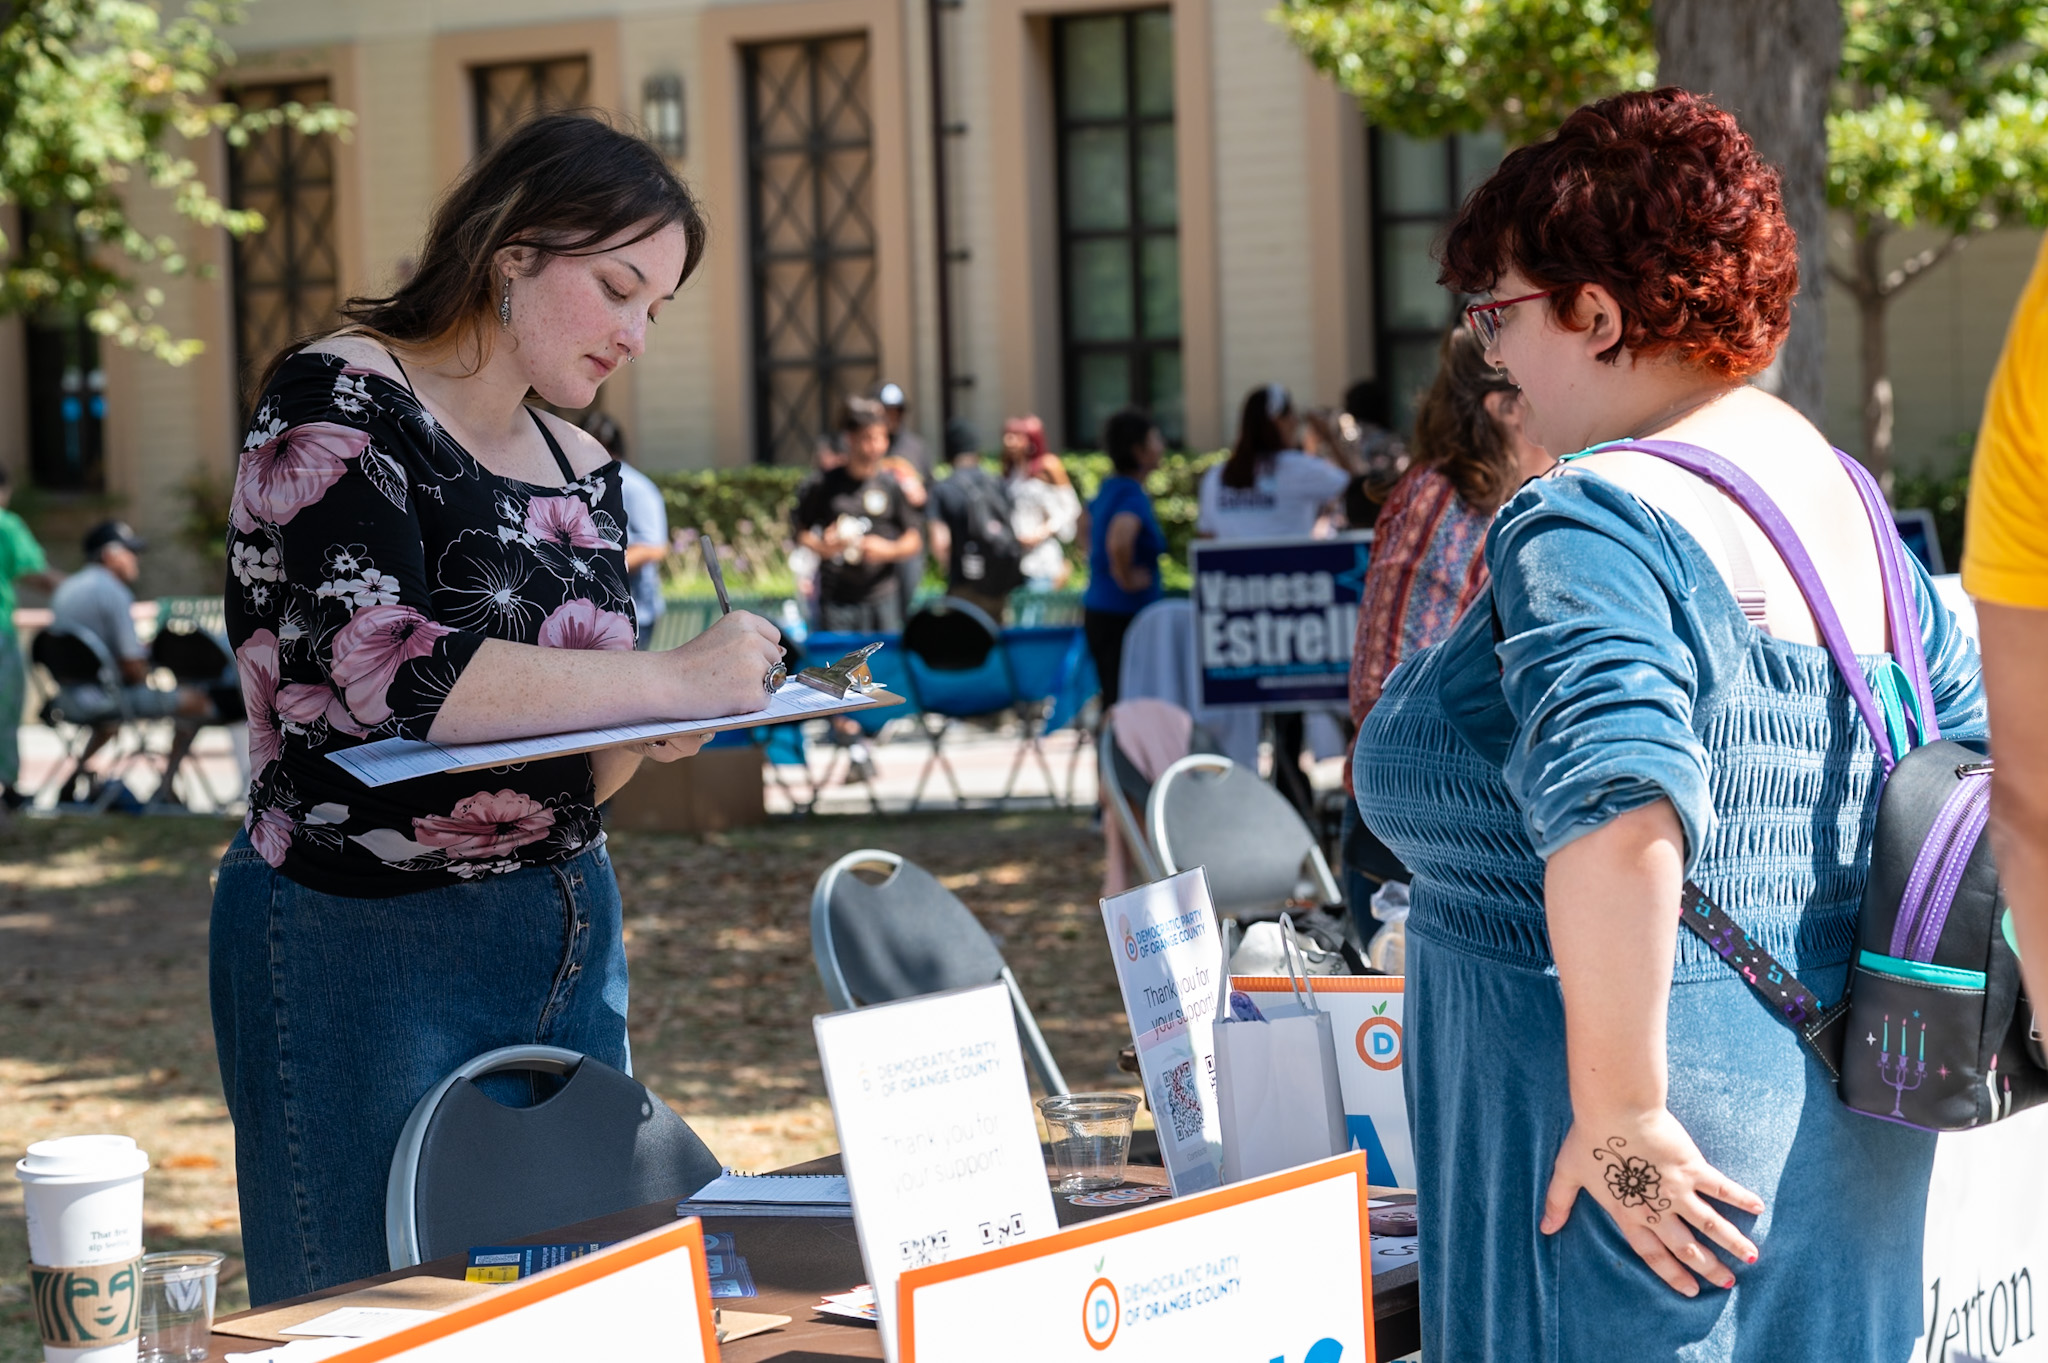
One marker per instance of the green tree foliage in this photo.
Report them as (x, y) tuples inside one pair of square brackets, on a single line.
[(96, 98), (1430, 67), (1940, 122), (1939, 119)]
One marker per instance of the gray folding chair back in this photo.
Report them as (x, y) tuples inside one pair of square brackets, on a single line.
[(471, 1171), (905, 936), (1259, 856)]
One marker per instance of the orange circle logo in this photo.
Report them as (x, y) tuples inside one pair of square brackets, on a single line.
[(1379, 1043), (1101, 1313)]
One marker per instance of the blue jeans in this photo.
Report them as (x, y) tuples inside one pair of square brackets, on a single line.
[(334, 1015)]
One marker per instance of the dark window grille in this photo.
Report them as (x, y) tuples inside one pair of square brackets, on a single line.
[(1417, 188), (810, 170), (1119, 220), (509, 93), (67, 405), (286, 277)]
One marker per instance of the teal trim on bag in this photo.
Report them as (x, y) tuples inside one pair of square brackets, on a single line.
[(1894, 692), (1919, 973)]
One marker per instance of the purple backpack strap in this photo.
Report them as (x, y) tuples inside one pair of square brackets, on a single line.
[(1901, 607), (1745, 490)]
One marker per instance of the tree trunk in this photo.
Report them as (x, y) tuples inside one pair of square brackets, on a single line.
[(1872, 298), (1771, 63)]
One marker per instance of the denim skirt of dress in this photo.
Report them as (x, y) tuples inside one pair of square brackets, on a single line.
[(1838, 1245), (334, 1015)]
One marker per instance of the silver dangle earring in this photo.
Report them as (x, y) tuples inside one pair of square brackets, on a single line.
[(505, 306)]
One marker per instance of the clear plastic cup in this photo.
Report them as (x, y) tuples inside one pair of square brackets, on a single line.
[(1090, 1136), (177, 1304)]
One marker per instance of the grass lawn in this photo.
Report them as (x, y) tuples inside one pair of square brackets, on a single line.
[(104, 1023)]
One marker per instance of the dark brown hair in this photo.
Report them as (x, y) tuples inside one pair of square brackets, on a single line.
[(858, 413), (1258, 434), (1456, 435), (562, 184), (1659, 197)]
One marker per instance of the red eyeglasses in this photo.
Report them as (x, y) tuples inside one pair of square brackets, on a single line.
[(1484, 318)]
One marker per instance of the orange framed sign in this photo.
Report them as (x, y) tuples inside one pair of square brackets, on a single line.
[(1366, 1015), (1274, 1268), (648, 1297)]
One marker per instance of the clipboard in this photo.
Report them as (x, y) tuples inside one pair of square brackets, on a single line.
[(391, 760)]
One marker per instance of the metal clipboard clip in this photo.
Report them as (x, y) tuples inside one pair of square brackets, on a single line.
[(850, 673)]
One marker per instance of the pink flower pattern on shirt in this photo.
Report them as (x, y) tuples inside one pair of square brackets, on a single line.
[(487, 824), (580, 624), (384, 557), (290, 471)]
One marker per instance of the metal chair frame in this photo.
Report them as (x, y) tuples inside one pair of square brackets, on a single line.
[(1030, 715), (1137, 841), (840, 996)]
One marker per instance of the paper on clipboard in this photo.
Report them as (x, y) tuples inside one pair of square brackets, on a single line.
[(403, 759)]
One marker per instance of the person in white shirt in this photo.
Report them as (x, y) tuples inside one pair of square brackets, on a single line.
[(1268, 488), (646, 528)]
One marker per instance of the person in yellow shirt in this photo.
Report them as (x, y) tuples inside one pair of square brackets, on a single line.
[(2005, 569)]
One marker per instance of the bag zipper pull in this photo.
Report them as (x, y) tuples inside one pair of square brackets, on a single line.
[(1983, 768)]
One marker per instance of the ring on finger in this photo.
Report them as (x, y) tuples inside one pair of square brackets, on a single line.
[(774, 678)]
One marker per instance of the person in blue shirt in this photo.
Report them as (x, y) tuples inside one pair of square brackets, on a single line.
[(1124, 544)]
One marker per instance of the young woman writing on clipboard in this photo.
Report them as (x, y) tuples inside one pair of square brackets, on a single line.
[(416, 552)]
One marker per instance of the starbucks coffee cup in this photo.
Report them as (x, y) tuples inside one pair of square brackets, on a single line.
[(83, 1196)]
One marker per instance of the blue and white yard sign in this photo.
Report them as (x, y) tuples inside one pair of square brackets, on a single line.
[(1274, 620)]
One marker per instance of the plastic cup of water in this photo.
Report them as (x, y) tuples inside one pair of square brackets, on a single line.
[(177, 1304), (1090, 1136)]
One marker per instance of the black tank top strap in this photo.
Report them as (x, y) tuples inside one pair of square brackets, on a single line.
[(561, 460), (405, 378)]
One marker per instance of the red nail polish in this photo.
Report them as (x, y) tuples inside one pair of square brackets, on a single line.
[(1752, 1258)]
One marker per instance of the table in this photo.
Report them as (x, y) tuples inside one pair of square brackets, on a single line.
[(795, 1261)]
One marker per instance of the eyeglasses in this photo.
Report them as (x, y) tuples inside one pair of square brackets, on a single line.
[(1484, 318)]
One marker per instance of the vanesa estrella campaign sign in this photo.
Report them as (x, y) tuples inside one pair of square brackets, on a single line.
[(1274, 620)]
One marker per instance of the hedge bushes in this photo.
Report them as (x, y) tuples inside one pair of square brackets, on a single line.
[(746, 512)]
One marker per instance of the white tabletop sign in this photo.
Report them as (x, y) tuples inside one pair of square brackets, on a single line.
[(1365, 1013), (1273, 1268), (937, 1132), (647, 1297), (1169, 964)]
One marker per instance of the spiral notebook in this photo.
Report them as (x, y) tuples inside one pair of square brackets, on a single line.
[(732, 1194)]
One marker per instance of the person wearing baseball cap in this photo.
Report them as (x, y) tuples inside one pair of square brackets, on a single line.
[(99, 599)]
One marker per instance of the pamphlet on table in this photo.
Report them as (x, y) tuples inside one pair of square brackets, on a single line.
[(1169, 964), (937, 1132)]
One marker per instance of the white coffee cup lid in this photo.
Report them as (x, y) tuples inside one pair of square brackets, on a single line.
[(81, 1159)]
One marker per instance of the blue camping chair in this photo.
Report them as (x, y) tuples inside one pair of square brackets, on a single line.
[(1055, 677), (959, 668)]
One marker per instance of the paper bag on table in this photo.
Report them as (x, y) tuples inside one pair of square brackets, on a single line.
[(1277, 1093)]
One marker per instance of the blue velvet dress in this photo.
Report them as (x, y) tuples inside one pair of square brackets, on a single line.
[(1626, 674)]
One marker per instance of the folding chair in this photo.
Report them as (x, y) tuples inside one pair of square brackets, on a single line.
[(905, 936), (957, 668), (1126, 790), (196, 656), (470, 1170), (87, 696), (1258, 854)]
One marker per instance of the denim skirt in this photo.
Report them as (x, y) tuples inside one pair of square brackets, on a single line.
[(334, 1015), (1837, 1274)]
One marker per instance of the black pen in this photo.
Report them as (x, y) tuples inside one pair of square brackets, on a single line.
[(717, 578)]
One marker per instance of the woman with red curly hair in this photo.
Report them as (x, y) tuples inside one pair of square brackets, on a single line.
[(1607, 722)]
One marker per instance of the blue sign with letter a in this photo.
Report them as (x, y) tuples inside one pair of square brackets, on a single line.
[(1275, 619)]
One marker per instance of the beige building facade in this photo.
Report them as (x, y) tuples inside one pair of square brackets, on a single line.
[(1007, 206)]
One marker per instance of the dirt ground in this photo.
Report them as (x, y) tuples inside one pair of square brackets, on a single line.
[(104, 1023)]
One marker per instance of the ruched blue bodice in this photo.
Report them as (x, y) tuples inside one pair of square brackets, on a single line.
[(1625, 672)]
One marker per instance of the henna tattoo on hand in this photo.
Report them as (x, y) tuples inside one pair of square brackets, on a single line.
[(1633, 1180)]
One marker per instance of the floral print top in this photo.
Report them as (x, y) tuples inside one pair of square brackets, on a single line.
[(369, 557)]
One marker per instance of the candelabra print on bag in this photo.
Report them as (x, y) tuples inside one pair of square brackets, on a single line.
[(1902, 1073)]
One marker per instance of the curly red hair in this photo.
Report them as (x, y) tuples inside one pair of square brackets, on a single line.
[(1660, 198)]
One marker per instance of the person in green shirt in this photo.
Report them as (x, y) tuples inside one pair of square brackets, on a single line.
[(21, 560)]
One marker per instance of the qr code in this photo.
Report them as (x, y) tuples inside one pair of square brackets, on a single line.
[(1182, 1101)]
